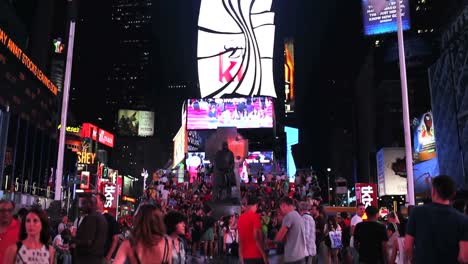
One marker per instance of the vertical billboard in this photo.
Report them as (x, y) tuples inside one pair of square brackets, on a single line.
[(180, 146), (391, 171), (424, 138), (235, 48), (111, 192), (255, 112), (289, 89), (135, 123), (386, 21), (292, 138), (366, 193)]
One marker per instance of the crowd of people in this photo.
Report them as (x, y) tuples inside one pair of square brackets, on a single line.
[(174, 224)]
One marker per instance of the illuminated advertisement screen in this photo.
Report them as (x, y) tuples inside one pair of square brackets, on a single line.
[(424, 139), (210, 113), (194, 161), (135, 123), (24, 88), (180, 146), (289, 88), (262, 157), (235, 48), (386, 20)]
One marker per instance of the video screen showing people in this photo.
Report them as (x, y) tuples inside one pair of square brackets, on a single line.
[(256, 112)]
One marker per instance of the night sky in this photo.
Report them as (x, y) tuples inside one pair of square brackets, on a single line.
[(329, 46)]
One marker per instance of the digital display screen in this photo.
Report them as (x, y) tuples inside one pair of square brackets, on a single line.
[(135, 123), (235, 48), (386, 20), (256, 112), (195, 160), (424, 139), (262, 157)]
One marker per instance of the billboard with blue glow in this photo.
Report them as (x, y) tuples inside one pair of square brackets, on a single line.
[(385, 21)]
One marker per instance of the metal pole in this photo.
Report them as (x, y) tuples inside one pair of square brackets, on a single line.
[(63, 120), (4, 126), (328, 188), (405, 104)]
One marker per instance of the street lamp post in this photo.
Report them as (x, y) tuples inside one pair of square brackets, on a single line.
[(328, 185)]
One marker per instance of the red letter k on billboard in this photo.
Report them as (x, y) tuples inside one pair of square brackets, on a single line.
[(226, 74)]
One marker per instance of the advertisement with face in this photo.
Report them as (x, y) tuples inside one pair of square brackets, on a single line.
[(424, 139), (241, 113)]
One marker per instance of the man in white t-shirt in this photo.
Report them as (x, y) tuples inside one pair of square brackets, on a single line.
[(357, 218)]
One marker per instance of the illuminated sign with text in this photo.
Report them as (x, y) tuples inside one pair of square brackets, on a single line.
[(366, 193), (18, 53), (106, 138), (86, 157), (235, 48), (385, 21)]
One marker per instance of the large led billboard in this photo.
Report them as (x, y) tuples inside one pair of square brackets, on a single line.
[(135, 123), (385, 21), (256, 112), (235, 48)]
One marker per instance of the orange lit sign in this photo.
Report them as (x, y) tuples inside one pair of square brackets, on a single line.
[(128, 199), (15, 50), (86, 157), (289, 75)]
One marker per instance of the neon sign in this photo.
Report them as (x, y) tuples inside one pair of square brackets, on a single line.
[(15, 50), (86, 157)]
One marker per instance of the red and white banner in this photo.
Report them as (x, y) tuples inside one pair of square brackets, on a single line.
[(366, 193), (106, 138), (111, 192)]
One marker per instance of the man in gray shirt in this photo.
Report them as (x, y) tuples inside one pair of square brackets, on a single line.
[(293, 230)]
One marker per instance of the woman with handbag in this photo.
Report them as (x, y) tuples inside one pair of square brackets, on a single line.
[(333, 239)]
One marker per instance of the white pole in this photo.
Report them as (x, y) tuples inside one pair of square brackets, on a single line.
[(63, 120), (406, 120)]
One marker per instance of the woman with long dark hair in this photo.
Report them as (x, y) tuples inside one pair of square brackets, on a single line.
[(175, 223), (148, 243), (333, 241), (33, 245)]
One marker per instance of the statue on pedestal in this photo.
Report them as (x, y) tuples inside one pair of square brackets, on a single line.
[(224, 178)]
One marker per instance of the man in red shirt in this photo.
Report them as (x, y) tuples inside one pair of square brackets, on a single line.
[(9, 227), (250, 235)]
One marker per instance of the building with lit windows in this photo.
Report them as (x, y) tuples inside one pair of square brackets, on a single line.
[(28, 104)]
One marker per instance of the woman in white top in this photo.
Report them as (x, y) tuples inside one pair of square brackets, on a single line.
[(230, 236), (395, 245), (333, 227), (33, 246)]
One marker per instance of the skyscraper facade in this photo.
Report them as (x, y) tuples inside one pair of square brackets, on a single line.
[(128, 78)]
